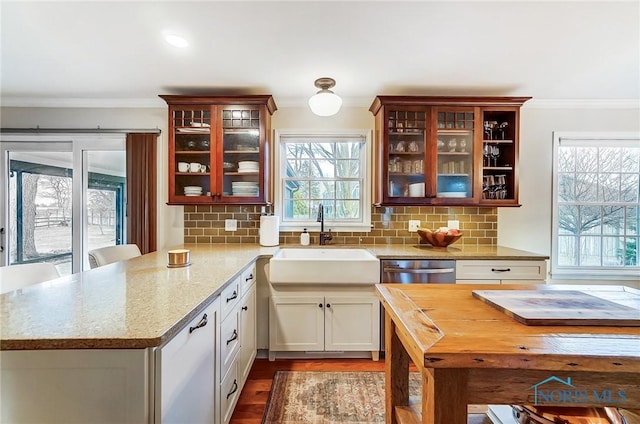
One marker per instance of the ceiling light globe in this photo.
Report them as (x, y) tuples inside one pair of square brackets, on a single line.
[(176, 40), (325, 103)]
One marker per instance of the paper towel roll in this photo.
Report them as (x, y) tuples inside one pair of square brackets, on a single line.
[(269, 230)]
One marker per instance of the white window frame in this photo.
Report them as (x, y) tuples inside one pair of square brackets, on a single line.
[(365, 190), (585, 272), (79, 144)]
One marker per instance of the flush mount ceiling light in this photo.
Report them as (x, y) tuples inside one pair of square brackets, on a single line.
[(176, 40), (325, 102)]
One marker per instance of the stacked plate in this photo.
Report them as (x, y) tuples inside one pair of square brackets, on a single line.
[(248, 166), (245, 188), (193, 191)]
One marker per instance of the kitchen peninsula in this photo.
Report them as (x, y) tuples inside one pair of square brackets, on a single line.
[(125, 319)]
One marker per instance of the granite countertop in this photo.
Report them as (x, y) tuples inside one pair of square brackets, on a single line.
[(141, 303)]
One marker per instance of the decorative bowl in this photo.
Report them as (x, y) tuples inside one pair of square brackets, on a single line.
[(438, 238)]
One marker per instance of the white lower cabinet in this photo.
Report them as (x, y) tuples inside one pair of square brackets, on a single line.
[(324, 321), (248, 345), (501, 271), (238, 339), (76, 386), (186, 372), (174, 383)]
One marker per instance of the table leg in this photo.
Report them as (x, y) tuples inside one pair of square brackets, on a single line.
[(444, 396), (397, 372)]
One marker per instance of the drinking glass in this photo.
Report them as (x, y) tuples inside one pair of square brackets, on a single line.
[(495, 153), (486, 153)]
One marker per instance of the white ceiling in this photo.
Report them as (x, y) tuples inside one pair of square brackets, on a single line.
[(81, 53)]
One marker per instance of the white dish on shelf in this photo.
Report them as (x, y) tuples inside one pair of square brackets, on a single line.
[(199, 124), (452, 194), (192, 195), (193, 130)]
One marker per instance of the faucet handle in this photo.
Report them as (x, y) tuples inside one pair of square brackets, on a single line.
[(328, 236)]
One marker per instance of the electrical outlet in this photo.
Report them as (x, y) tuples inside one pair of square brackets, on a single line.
[(414, 224), (231, 225), (453, 224)]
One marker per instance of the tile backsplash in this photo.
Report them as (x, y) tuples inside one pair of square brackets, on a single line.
[(206, 224)]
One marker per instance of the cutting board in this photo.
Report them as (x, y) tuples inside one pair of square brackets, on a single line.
[(559, 307)]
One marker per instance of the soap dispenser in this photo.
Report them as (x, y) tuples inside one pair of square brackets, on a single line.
[(304, 238)]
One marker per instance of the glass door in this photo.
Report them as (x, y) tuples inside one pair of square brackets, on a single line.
[(61, 198), (241, 154), (190, 170), (39, 218), (455, 135), (406, 149)]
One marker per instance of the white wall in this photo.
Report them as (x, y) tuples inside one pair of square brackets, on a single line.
[(527, 227)]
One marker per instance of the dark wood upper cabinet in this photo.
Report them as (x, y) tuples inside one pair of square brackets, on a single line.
[(446, 150), (219, 149)]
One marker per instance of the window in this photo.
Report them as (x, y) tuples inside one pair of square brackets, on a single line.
[(596, 206), (323, 168), (63, 195)]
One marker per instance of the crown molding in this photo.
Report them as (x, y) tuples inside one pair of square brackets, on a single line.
[(35, 102), (582, 104)]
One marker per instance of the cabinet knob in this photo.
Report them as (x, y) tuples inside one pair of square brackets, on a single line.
[(319, 305), (244, 308), (328, 305)]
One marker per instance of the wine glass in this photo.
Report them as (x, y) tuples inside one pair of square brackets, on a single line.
[(502, 128), (486, 152), (495, 153), (487, 130)]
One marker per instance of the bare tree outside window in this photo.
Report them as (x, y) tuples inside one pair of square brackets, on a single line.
[(323, 172), (598, 206)]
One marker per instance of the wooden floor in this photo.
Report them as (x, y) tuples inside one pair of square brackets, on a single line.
[(253, 398)]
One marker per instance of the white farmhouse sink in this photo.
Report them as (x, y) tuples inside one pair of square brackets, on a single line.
[(326, 266)]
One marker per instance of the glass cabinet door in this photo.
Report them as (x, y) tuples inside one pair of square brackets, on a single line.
[(455, 135), (192, 152), (406, 151), (241, 153)]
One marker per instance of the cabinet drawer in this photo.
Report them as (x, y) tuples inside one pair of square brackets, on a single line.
[(229, 340), (247, 279), (229, 392), (230, 297), (185, 373), (503, 270)]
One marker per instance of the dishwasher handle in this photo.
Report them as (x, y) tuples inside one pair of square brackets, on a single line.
[(418, 271)]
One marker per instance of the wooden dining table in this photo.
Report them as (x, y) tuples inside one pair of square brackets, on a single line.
[(471, 352)]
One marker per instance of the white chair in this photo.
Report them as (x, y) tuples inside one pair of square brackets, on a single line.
[(15, 277), (109, 254)]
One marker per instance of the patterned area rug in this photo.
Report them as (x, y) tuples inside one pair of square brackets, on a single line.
[(301, 397)]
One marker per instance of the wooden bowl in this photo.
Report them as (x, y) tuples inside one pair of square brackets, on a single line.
[(438, 239)]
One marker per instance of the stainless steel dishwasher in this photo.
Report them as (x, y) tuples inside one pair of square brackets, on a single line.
[(422, 271), (414, 271)]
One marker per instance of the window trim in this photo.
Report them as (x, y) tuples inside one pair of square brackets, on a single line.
[(584, 272), (365, 191)]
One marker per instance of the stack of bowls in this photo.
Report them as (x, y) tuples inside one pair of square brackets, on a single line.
[(193, 191), (248, 166), (245, 188)]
